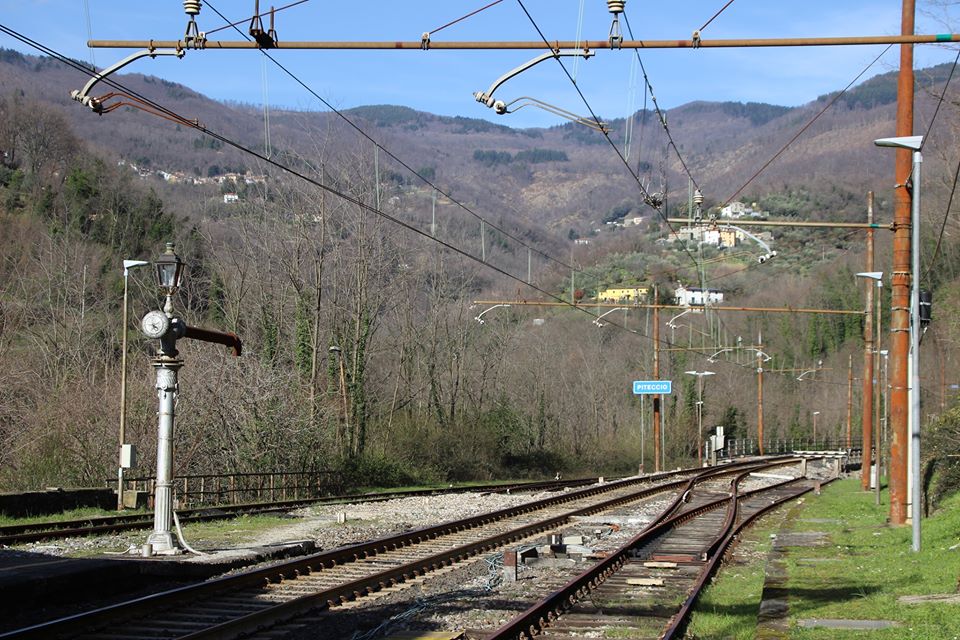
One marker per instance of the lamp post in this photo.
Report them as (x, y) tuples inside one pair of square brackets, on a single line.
[(913, 144), (127, 265), (880, 436), (871, 345), (700, 375), (815, 414), (167, 328)]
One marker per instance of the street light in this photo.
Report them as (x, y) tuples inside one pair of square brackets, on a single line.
[(127, 265), (700, 375), (169, 272), (815, 414), (877, 276), (914, 144)]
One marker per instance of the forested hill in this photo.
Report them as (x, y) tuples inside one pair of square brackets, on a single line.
[(563, 176)]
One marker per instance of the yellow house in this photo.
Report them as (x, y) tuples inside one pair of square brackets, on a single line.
[(623, 294)]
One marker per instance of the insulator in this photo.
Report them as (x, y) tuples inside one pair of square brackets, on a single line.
[(698, 197), (616, 6), (191, 7)]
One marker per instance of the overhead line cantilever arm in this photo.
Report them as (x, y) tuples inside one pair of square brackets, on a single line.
[(417, 45)]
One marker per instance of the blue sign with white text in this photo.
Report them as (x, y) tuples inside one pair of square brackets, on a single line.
[(652, 387)]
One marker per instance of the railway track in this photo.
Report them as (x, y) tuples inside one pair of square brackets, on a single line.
[(100, 525), (237, 605), (647, 587)]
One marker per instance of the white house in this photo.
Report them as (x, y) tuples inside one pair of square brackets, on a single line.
[(696, 297)]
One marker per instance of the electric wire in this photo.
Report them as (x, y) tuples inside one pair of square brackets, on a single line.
[(394, 157), (656, 106), (262, 15), (943, 94), (648, 199), (198, 126), (195, 124), (462, 18), (722, 9), (804, 128), (956, 174)]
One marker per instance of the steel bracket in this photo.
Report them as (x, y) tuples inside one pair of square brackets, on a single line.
[(83, 95)]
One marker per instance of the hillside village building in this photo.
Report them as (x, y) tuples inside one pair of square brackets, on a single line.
[(623, 294), (736, 210), (696, 297)]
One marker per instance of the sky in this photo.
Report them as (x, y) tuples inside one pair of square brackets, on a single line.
[(443, 82)]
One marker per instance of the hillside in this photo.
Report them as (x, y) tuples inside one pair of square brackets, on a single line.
[(722, 143), (362, 354)]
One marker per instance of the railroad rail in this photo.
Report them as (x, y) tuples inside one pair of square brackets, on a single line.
[(235, 605), (657, 576), (100, 525)]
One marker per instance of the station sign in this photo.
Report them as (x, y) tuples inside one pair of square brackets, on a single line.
[(652, 387)]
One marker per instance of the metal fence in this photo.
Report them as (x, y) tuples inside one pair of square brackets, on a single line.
[(236, 488)]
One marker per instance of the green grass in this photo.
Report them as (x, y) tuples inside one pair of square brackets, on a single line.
[(73, 514), (729, 606), (858, 574), (871, 564), (235, 532)]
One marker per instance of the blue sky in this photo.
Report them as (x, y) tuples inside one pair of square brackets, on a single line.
[(443, 81)]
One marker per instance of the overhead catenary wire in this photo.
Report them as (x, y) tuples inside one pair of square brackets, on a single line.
[(714, 17), (173, 116), (656, 106), (397, 159), (803, 129), (649, 200), (261, 15), (462, 18), (956, 173)]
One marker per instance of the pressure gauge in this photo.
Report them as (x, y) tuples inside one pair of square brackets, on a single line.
[(155, 324)]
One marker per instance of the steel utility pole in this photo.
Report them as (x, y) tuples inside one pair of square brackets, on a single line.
[(849, 400), (868, 375), (760, 394), (901, 278), (657, 432)]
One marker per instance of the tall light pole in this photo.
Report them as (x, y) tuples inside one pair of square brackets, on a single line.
[(127, 265), (815, 414), (913, 144), (700, 375), (871, 344)]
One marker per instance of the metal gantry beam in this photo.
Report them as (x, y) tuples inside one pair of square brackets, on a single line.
[(607, 305), (418, 45)]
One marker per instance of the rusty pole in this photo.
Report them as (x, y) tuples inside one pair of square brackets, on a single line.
[(849, 398), (868, 349), (656, 376), (760, 397), (901, 280)]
